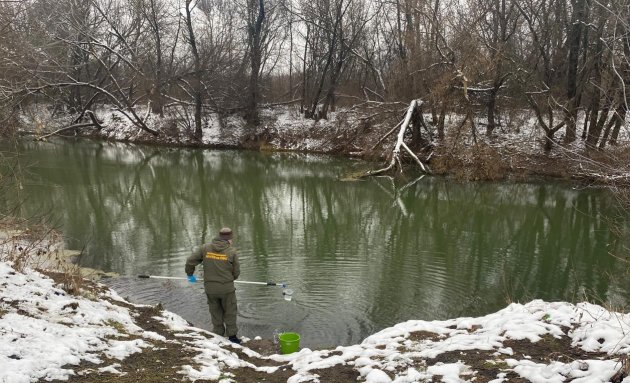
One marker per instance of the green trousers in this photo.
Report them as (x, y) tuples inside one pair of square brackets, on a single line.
[(223, 311)]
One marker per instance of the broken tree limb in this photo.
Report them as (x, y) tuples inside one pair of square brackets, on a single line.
[(387, 135), (95, 123), (94, 120), (295, 101), (396, 152), (67, 128), (411, 153)]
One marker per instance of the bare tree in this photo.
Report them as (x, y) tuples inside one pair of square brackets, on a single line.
[(255, 38), (541, 66), (500, 19), (162, 40), (197, 75), (468, 58), (576, 40)]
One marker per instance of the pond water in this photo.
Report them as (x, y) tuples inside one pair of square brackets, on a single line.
[(359, 256)]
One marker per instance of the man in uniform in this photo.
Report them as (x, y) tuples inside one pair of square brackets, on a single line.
[(220, 269)]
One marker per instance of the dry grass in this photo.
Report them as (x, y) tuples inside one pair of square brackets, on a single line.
[(38, 246), (479, 162), (29, 241)]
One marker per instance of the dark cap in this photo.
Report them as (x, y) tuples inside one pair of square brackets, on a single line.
[(225, 233)]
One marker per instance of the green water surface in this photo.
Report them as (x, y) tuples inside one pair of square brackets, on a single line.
[(359, 256)]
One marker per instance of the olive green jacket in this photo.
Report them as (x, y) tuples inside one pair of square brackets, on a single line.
[(220, 266)]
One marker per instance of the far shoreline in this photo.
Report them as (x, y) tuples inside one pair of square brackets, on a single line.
[(507, 156)]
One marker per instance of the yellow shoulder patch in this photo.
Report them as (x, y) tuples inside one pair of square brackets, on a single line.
[(215, 256)]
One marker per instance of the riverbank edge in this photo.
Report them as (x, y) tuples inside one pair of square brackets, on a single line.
[(514, 152)]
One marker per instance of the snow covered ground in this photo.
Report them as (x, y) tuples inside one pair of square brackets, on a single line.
[(48, 334)]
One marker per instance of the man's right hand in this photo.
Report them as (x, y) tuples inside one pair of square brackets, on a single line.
[(192, 279)]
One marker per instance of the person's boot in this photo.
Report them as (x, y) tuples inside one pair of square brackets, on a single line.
[(234, 339)]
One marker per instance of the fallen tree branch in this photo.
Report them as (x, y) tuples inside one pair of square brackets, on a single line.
[(94, 123), (281, 103), (71, 127), (387, 134), (396, 152), (414, 157)]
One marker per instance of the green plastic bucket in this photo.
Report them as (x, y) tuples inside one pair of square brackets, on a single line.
[(289, 342)]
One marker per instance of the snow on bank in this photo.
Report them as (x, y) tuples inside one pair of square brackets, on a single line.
[(390, 352), (594, 329), (348, 130), (43, 329), (46, 333), (281, 128)]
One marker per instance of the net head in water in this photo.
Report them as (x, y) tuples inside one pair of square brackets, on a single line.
[(287, 294)]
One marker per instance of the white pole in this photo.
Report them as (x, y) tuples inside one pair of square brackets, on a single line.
[(244, 282)]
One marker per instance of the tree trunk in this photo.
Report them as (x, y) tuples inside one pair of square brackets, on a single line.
[(440, 124), (332, 87), (198, 75), (492, 101), (255, 8), (549, 139), (611, 123), (157, 101), (587, 114), (303, 109), (595, 127), (575, 39), (620, 121), (329, 60)]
